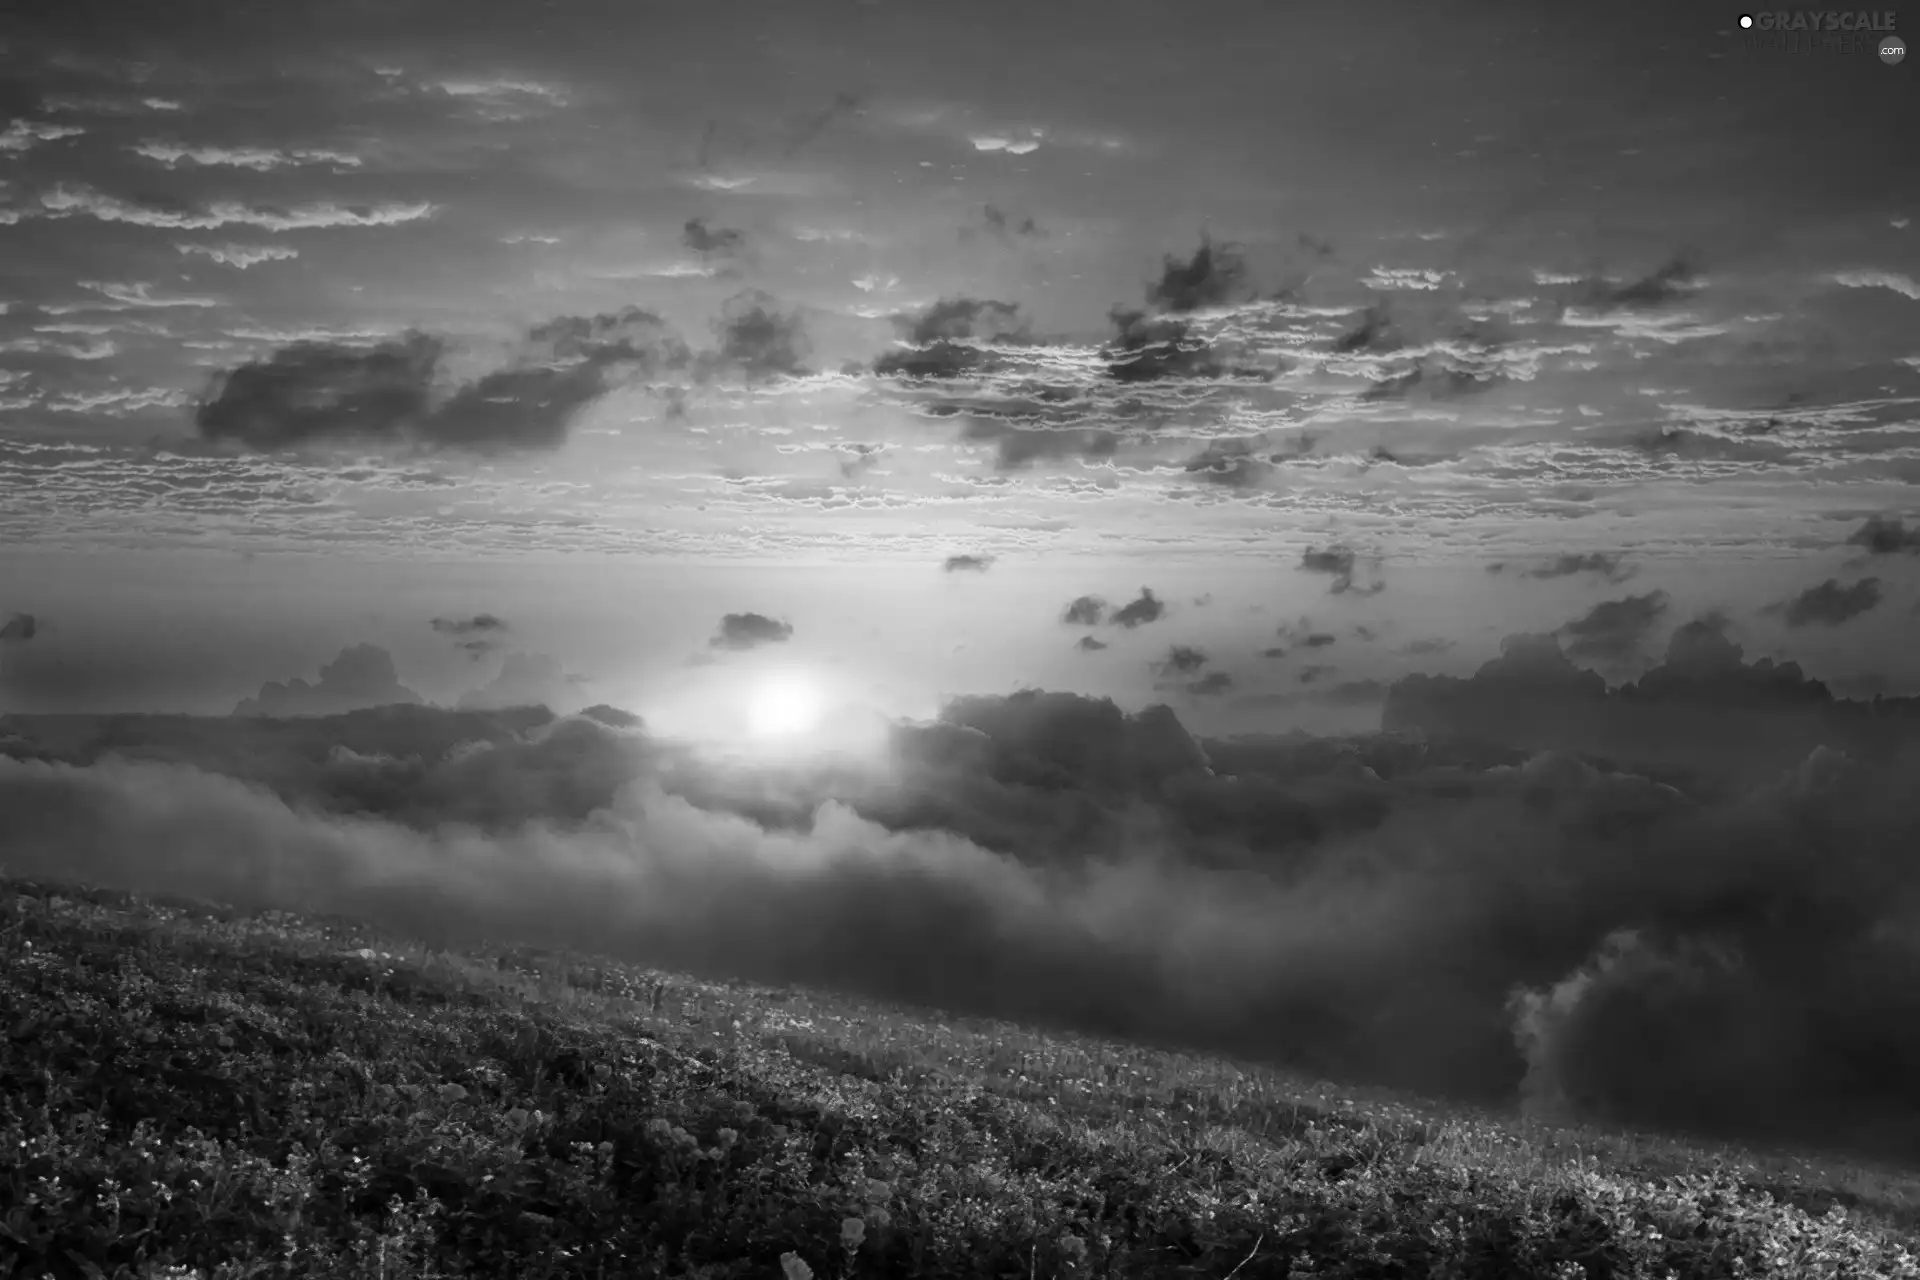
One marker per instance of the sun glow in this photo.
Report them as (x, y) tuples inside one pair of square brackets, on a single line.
[(785, 705)]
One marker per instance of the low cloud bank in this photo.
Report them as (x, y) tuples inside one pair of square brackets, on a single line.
[(1468, 920), (1704, 705)]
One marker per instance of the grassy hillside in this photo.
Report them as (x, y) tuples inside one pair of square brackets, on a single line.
[(198, 1091)]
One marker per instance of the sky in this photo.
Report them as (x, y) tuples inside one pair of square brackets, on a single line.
[(865, 337)]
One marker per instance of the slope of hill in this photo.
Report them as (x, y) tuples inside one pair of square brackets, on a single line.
[(195, 1090)]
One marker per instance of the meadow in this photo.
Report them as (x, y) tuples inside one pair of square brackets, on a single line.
[(195, 1090)]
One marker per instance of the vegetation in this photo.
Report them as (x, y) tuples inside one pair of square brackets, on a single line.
[(194, 1091)]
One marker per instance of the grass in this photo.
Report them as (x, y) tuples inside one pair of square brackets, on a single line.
[(188, 1090)]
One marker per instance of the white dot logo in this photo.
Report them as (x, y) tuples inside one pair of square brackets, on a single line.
[(1892, 50), (1746, 21)]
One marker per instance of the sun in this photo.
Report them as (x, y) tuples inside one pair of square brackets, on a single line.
[(785, 705)]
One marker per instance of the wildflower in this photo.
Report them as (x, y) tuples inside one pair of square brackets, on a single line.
[(1073, 1246), (793, 1268), (852, 1232), (452, 1093), (726, 1138)]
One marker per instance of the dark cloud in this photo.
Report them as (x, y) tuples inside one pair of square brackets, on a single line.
[(1144, 608), (1312, 673), (711, 241), (1210, 685), (1152, 348), (1277, 651), (1885, 535), (749, 631), (1181, 659), (1087, 644), (526, 680), (1671, 280), (1338, 562), (363, 675), (940, 338), (476, 636), (1086, 611), (1215, 275), (1426, 645), (317, 392), (1702, 708), (1615, 630), (1158, 342), (1605, 564), (1006, 227), (1318, 640), (479, 623), (758, 341), (1374, 331), (1430, 379), (20, 627), (949, 319), (1504, 926), (967, 563), (1829, 603), (1699, 446), (1017, 447), (314, 391), (1232, 464)]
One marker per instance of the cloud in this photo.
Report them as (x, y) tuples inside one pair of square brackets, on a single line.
[(1087, 644), (1904, 285), (476, 636), (1829, 604), (80, 201), (526, 680), (758, 341), (1885, 535), (240, 256), (1438, 917), (1005, 227), (1232, 464), (1158, 342), (363, 675), (943, 338), (1144, 608), (1605, 564), (967, 563), (750, 631), (140, 294), (1215, 275), (24, 135), (1181, 660), (1337, 562), (1085, 611), (479, 622), (1667, 282), (259, 159), (19, 628), (318, 392), (1152, 348), (1210, 685), (1615, 630), (711, 241), (1374, 331)]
